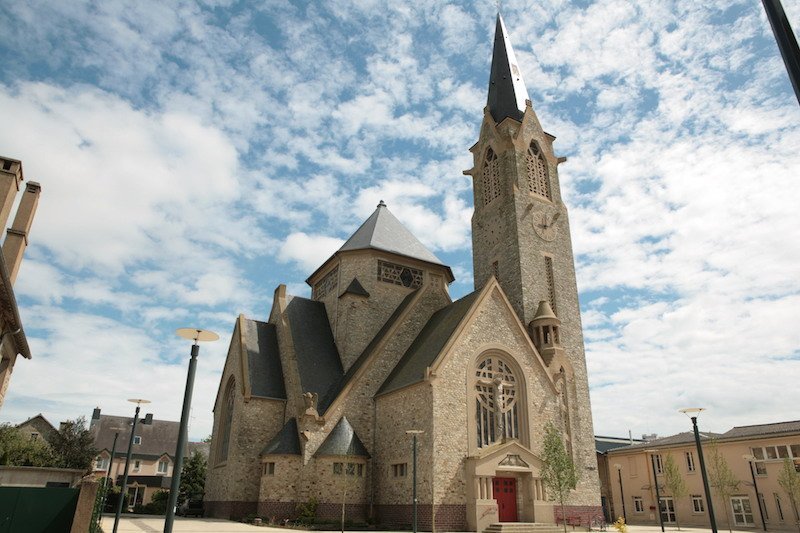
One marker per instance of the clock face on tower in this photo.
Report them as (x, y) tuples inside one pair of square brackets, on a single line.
[(545, 223)]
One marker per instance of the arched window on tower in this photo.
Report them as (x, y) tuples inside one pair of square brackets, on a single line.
[(491, 177), (496, 401), (538, 182), (226, 421)]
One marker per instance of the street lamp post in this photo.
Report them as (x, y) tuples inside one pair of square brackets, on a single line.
[(124, 487), (621, 494), (196, 335), (750, 459), (414, 433), (106, 485), (692, 413), (655, 482)]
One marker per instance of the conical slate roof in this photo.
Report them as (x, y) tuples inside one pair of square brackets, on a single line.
[(285, 442), (343, 441), (507, 91), (544, 311), (382, 231)]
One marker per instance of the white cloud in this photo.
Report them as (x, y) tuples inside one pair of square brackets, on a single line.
[(308, 251)]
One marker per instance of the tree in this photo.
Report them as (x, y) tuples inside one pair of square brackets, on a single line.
[(193, 478), (558, 471), (674, 481), (789, 480), (74, 445), (722, 479), (17, 450)]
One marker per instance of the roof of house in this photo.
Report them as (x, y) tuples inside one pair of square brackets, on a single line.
[(318, 360), (286, 442), (263, 359), (428, 344), (158, 438), (38, 420), (762, 430), (687, 437), (342, 440), (604, 444)]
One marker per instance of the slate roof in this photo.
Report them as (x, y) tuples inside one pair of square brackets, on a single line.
[(356, 289), (382, 231), (428, 344), (318, 361), (760, 430), (263, 359), (507, 91), (343, 440), (687, 437), (158, 438), (604, 444), (286, 442)]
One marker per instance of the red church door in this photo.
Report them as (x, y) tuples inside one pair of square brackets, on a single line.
[(505, 492)]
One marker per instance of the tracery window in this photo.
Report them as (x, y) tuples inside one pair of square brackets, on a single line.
[(399, 275), (226, 422), (496, 405), (537, 171), (491, 177)]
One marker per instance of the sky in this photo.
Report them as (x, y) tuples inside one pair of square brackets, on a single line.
[(194, 155)]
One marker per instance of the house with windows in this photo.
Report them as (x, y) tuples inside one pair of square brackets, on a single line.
[(755, 454), (321, 399), (37, 428), (154, 444)]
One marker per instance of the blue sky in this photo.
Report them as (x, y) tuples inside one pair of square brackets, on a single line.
[(194, 155)]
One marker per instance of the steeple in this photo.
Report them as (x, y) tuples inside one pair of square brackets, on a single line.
[(507, 92)]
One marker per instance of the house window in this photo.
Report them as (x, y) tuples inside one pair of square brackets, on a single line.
[(795, 451), (34, 436), (697, 504), (689, 461), (101, 463), (137, 439), (137, 464), (659, 463), (338, 469), (163, 464), (763, 503), (742, 512), (350, 469), (269, 469), (399, 470), (491, 177), (496, 403), (761, 469), (226, 422), (537, 171), (638, 504), (778, 506)]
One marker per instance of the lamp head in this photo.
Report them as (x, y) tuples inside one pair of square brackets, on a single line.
[(618, 466), (197, 335), (138, 401), (692, 412)]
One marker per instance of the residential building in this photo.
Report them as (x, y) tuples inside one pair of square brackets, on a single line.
[(13, 342), (315, 400), (768, 445), (608, 474), (38, 428), (152, 458)]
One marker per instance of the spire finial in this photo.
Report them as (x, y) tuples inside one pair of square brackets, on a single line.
[(381, 204)]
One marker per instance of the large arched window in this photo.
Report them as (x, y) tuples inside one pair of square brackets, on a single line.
[(491, 177), (537, 171), (225, 421), (497, 397)]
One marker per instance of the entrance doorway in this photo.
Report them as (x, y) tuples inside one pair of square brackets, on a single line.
[(504, 490)]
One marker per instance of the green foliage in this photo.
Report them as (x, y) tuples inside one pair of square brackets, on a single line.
[(722, 478), (674, 481), (558, 471), (307, 512), (620, 525), (18, 450), (193, 478), (789, 480), (74, 445)]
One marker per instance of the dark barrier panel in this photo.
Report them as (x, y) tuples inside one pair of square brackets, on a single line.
[(37, 509)]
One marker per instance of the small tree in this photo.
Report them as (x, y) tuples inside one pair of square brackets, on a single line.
[(722, 479), (17, 450), (674, 482), (74, 445), (558, 471), (193, 478), (789, 480)]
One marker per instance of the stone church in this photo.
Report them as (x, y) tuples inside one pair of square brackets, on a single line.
[(315, 402)]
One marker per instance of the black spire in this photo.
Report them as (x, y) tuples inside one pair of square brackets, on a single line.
[(507, 92)]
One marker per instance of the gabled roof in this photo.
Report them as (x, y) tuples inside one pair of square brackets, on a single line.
[(428, 344), (158, 438), (382, 231), (40, 420), (343, 440), (507, 91), (286, 442), (355, 288), (604, 444), (762, 430), (260, 346), (318, 361), (687, 437)]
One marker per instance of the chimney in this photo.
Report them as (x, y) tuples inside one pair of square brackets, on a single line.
[(96, 414), (17, 236), (148, 419), (10, 180)]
